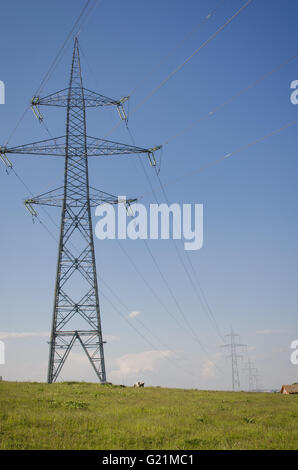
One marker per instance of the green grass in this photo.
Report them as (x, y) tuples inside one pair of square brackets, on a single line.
[(92, 416)]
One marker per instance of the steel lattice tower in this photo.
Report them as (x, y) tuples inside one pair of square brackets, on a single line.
[(233, 345), (252, 373), (76, 315)]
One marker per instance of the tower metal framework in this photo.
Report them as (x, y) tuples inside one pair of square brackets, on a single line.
[(76, 313), (233, 345), (252, 373)]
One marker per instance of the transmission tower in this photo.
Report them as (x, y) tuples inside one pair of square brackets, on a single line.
[(252, 373), (259, 384), (233, 345), (76, 313)]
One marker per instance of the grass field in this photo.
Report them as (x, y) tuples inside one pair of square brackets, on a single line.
[(91, 416)]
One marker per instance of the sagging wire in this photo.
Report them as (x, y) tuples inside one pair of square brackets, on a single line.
[(194, 335), (80, 21)]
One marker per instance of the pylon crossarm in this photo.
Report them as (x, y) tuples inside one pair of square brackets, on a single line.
[(58, 98), (98, 197), (94, 202), (55, 198), (54, 147), (100, 147), (95, 148), (50, 198), (93, 99), (89, 98)]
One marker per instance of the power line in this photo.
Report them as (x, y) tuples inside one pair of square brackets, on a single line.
[(196, 338), (183, 264), (146, 328), (211, 315), (168, 311), (203, 302), (76, 222), (73, 32), (144, 337), (13, 170), (217, 160), (156, 67), (115, 295), (204, 44), (208, 311), (37, 217), (170, 290), (88, 14), (201, 23), (228, 155), (17, 125), (255, 141), (194, 335), (231, 99), (191, 56), (58, 57)]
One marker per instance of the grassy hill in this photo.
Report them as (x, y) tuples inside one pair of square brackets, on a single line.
[(91, 416)]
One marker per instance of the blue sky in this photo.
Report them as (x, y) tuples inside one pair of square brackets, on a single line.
[(248, 264)]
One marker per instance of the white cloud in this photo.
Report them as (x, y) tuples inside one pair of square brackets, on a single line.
[(138, 363), (208, 369), (134, 314), (16, 335)]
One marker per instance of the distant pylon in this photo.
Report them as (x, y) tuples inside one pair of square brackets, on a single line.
[(233, 345), (259, 384), (252, 373), (76, 313)]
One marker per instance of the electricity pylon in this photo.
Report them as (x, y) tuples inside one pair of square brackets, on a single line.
[(252, 373), (76, 315), (258, 381), (233, 345)]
